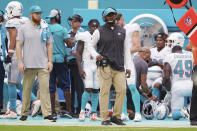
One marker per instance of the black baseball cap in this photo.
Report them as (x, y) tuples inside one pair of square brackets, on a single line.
[(76, 17)]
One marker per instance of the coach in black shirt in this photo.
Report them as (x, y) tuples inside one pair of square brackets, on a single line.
[(112, 59)]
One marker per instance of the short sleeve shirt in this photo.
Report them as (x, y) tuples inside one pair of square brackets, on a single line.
[(141, 68), (34, 51), (59, 49)]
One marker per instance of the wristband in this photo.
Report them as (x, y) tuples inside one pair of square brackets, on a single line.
[(11, 51)]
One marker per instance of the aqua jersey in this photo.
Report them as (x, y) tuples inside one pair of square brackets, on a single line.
[(59, 48)]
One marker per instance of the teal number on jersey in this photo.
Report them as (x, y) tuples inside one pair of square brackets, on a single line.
[(158, 61), (188, 67), (183, 68)]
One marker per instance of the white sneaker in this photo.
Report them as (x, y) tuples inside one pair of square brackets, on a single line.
[(35, 108), (185, 112), (170, 115), (82, 116), (138, 117), (124, 117), (93, 117), (9, 115)]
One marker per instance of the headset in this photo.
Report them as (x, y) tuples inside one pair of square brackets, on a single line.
[(103, 17), (2, 15), (58, 16)]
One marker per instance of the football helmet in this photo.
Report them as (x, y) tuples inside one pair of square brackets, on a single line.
[(175, 39), (147, 110), (14, 8), (88, 109), (161, 111)]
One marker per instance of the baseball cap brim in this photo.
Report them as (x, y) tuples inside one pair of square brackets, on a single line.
[(35, 9)]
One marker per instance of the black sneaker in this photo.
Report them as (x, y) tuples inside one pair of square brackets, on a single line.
[(50, 118), (54, 115), (75, 115), (117, 121), (106, 123), (193, 123), (65, 114), (23, 118)]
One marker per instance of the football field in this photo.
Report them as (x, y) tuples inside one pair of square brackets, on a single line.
[(38, 124)]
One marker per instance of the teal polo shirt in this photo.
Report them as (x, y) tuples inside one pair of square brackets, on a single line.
[(59, 48)]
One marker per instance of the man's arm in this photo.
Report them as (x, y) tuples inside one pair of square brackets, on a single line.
[(136, 42), (80, 48), (166, 76), (147, 92), (144, 85), (127, 56), (92, 45), (50, 56), (12, 34), (21, 67)]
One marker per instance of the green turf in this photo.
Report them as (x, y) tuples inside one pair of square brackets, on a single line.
[(83, 128)]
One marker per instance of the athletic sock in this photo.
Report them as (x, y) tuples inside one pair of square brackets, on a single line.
[(84, 100), (12, 96), (94, 101), (5, 93), (135, 97)]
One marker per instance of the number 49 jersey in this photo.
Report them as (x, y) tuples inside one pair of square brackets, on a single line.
[(181, 65)]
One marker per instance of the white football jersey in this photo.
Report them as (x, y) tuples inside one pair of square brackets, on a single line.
[(15, 23), (86, 37), (159, 56), (181, 65)]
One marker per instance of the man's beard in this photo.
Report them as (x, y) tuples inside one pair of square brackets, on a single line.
[(36, 21)]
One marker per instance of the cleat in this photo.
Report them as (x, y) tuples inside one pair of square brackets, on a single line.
[(9, 115), (23, 118), (35, 108), (50, 118), (117, 121), (185, 112), (82, 116), (124, 117), (138, 117), (93, 117)]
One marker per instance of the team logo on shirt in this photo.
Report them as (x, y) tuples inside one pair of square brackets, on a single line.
[(188, 21), (119, 33)]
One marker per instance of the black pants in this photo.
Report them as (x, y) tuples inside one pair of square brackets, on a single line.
[(76, 85), (59, 72), (2, 75), (193, 108)]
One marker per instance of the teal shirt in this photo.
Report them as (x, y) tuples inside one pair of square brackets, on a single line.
[(59, 48)]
